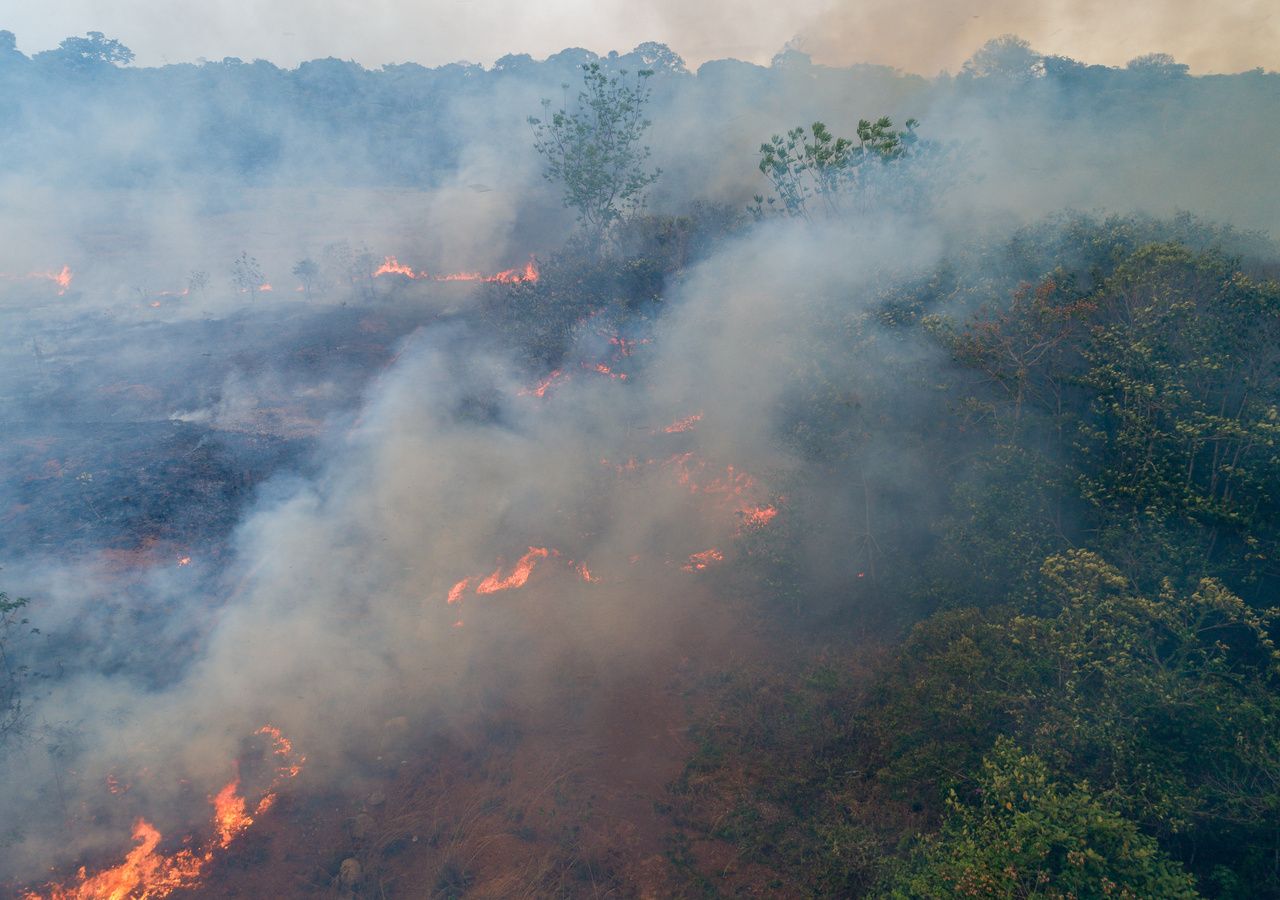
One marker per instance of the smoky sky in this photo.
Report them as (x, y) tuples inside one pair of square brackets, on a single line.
[(924, 36)]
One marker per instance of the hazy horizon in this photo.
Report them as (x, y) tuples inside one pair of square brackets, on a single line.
[(921, 36)]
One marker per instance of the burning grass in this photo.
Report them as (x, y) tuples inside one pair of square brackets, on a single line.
[(149, 872)]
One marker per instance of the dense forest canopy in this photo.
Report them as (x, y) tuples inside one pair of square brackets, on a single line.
[(1000, 350)]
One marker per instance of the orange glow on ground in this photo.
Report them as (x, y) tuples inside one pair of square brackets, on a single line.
[(699, 561)]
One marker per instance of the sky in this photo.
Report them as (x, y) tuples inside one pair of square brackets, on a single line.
[(924, 36)]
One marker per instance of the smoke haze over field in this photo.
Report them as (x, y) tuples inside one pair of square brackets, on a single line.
[(335, 429), (922, 37)]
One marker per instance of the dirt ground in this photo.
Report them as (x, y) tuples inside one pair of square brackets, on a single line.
[(560, 795)]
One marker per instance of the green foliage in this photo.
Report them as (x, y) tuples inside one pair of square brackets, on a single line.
[(594, 150), (1167, 705), (1159, 388), (816, 167), (1028, 836), (1181, 449)]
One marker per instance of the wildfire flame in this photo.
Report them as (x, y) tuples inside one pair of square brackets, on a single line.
[(605, 370), (758, 516), (229, 813), (685, 424), (626, 346), (540, 389), (391, 266), (526, 274), (282, 747), (148, 873), (61, 278), (699, 561), (143, 874), (520, 573)]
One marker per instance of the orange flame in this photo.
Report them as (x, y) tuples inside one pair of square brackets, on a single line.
[(685, 424), (147, 873), (759, 516), (526, 274), (517, 577), (229, 814), (519, 573), (61, 278), (626, 346), (185, 561), (144, 873), (540, 389), (605, 370), (391, 266), (693, 474), (282, 747), (699, 561)]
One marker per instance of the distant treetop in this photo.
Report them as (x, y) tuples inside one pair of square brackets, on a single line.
[(94, 49), (1006, 58), (1157, 64)]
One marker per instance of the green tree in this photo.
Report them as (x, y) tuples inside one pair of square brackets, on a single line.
[(816, 167), (1168, 705), (1159, 388), (594, 148), (1180, 447), (1029, 837)]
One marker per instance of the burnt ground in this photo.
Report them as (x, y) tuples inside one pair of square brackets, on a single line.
[(104, 462), (125, 435), (134, 445), (570, 796)]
